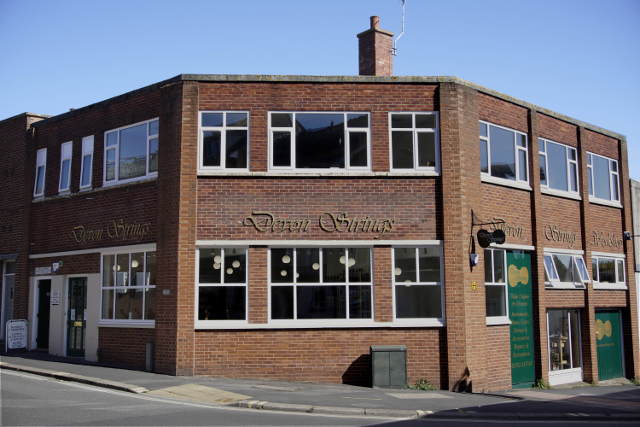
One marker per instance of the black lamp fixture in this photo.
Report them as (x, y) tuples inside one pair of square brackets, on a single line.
[(628, 236)]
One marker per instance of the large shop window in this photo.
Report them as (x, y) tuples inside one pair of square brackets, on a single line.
[(417, 282), (414, 141), (565, 356), (41, 170), (319, 141), (128, 283), (503, 154), (558, 166), (86, 167), (565, 271), (495, 280), (223, 140), (320, 283), (603, 178), (65, 167), (608, 272), (131, 152), (222, 284)]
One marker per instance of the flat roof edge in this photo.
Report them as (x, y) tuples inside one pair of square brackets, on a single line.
[(25, 114)]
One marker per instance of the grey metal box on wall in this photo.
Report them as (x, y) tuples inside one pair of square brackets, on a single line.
[(389, 366)]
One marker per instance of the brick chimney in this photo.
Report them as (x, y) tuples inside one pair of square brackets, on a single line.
[(374, 46)]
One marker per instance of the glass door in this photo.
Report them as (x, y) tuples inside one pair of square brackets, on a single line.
[(76, 318)]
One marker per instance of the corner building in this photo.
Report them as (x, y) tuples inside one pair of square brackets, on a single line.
[(279, 226)]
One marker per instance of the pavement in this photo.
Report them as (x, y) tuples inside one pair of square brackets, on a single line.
[(619, 401)]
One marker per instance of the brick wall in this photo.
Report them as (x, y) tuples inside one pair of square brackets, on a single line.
[(125, 347)]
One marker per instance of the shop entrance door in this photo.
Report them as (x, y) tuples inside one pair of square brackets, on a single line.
[(44, 301), (76, 316), (523, 372), (609, 344)]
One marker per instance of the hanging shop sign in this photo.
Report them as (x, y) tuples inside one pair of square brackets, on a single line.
[(117, 229), (328, 222), (607, 240), (556, 234)]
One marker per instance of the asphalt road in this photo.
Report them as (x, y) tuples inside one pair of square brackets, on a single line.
[(32, 400)]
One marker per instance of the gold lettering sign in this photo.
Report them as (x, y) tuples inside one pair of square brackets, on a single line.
[(607, 240), (556, 234), (328, 222), (509, 229), (115, 230)]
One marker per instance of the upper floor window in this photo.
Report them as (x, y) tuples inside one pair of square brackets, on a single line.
[(131, 152), (558, 166), (312, 141), (41, 170), (223, 140), (565, 270), (417, 280), (603, 178), (608, 271), (414, 141), (86, 165), (65, 166), (503, 153)]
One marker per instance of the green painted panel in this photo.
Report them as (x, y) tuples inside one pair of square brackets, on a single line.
[(609, 344), (523, 372)]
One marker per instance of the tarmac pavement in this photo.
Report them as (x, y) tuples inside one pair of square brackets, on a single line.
[(584, 403)]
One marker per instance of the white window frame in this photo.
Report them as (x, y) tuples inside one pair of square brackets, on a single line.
[(202, 169), (487, 177), (41, 162), (347, 145), (498, 320), (116, 148), (66, 155), (614, 181), (145, 249), (218, 324), (418, 321), (544, 152), (571, 375), (431, 170), (87, 150), (320, 322), (554, 279), (617, 259)]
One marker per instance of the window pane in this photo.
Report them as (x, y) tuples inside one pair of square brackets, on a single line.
[(236, 149), (522, 165), (112, 139), (107, 304), (39, 180), (564, 267), (151, 268), (483, 129), (308, 265), (549, 268), (521, 140), (137, 269), (573, 177), (488, 266), (129, 304), (359, 263), (86, 171), (590, 181), (153, 155), (153, 127), (620, 271), (122, 270), (402, 147), (236, 119), (405, 265), (133, 152), (356, 120), (614, 187), (235, 265), (149, 311), (360, 302), (557, 158), (503, 154), (484, 157), (426, 121), (281, 149), (607, 270), (108, 267), (211, 142), (543, 170), (334, 262), (576, 353), (281, 120), (9, 267), (221, 303), (358, 149), (601, 177), (282, 302), (111, 165), (498, 267), (212, 119), (64, 174), (282, 265), (594, 268), (429, 263), (210, 265), (319, 140), (417, 301), (321, 302), (426, 149), (582, 268), (496, 300), (401, 121), (559, 340)]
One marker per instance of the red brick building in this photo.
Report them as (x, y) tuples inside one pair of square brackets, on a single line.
[(279, 226)]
